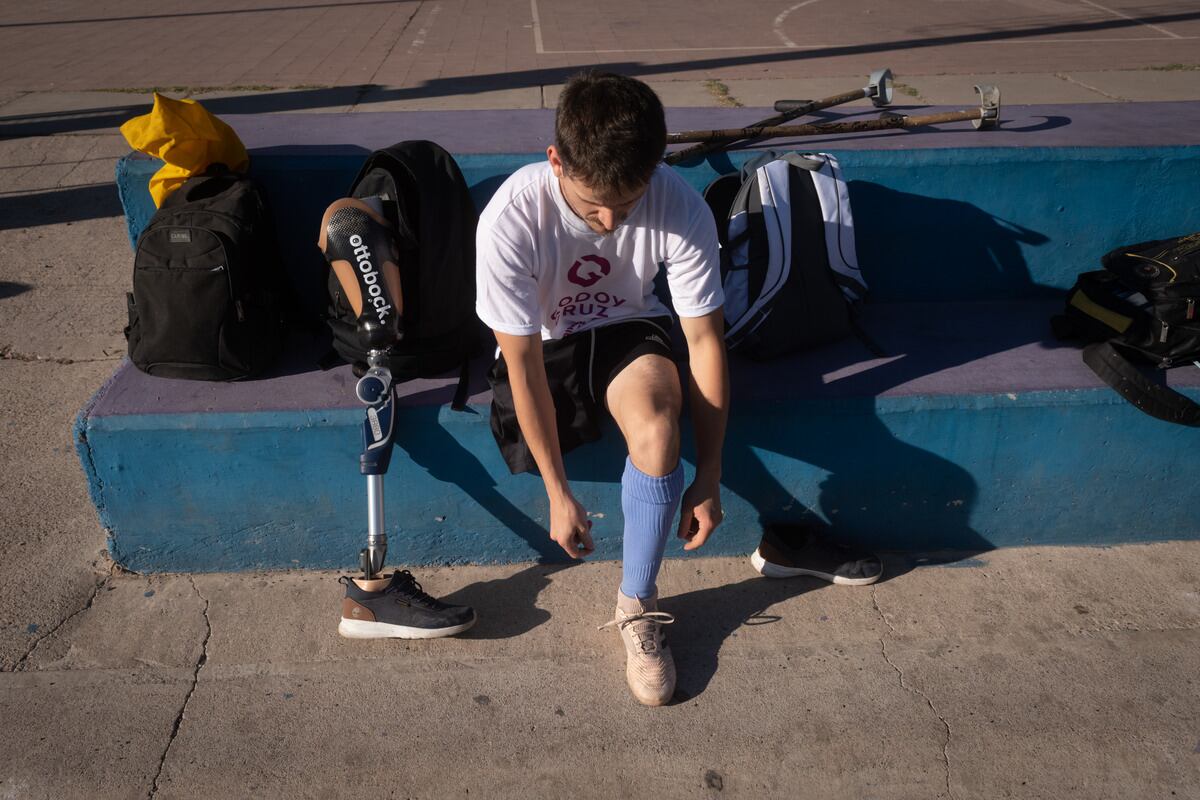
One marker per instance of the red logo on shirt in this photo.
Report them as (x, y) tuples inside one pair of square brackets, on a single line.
[(587, 278)]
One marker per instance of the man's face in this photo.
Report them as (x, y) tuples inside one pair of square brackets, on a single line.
[(602, 212)]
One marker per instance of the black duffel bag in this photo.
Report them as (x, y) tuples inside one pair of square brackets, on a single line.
[(1141, 308)]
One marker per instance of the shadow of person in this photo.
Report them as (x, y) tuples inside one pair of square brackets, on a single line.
[(704, 619), (508, 606), (429, 445), (914, 248), (807, 442)]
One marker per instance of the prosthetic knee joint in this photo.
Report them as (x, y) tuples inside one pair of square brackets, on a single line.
[(361, 249)]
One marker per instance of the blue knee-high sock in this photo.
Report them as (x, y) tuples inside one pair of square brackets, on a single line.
[(649, 504)]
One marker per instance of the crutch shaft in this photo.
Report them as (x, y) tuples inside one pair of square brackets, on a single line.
[(878, 88), (775, 131)]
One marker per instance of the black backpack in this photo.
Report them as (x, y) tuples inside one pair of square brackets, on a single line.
[(426, 200), (1140, 308), (207, 282), (788, 264)]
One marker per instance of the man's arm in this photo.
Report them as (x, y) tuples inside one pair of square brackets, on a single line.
[(709, 393), (569, 525)]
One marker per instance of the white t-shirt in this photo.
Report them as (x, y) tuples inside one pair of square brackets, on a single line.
[(540, 268)]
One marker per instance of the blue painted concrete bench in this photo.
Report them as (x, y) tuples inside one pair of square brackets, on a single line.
[(976, 429)]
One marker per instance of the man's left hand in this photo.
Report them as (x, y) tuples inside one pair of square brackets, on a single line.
[(700, 513)]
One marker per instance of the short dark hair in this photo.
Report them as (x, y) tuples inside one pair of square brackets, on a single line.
[(610, 131)]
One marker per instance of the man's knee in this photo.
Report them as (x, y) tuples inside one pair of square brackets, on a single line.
[(646, 401), (653, 440)]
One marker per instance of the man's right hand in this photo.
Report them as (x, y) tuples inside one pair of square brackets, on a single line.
[(570, 527)]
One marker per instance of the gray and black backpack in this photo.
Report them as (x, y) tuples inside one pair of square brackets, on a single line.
[(788, 264)]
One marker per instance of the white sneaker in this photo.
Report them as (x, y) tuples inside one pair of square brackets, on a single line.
[(649, 666)]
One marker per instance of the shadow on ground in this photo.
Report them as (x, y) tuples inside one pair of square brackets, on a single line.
[(507, 607), (111, 117), (706, 618), (56, 206)]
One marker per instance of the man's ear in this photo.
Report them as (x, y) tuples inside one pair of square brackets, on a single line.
[(556, 164)]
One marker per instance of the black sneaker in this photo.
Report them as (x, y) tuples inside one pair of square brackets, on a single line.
[(399, 611), (790, 550)]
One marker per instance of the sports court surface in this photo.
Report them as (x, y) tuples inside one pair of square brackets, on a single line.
[(73, 45)]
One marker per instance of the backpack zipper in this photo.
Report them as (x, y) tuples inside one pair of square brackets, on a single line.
[(1191, 308), (222, 267), (1168, 267)]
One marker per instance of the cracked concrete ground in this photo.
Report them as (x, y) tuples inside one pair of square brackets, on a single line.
[(1028, 673), (1034, 673)]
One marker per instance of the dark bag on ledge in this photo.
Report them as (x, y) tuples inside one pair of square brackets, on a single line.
[(427, 202), (1141, 308), (207, 280)]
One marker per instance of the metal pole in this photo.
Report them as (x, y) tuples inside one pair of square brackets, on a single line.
[(879, 88), (376, 537), (776, 131)]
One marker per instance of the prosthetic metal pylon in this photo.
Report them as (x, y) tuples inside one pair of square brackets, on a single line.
[(376, 390)]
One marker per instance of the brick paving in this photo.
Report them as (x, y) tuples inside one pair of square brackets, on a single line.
[(444, 46)]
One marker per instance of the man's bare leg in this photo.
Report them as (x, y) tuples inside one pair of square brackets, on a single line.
[(645, 400)]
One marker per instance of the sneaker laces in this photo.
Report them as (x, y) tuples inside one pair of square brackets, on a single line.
[(405, 584), (645, 627)]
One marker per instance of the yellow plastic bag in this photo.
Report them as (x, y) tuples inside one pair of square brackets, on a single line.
[(187, 137)]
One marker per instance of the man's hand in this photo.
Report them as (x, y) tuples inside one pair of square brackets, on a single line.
[(700, 513), (570, 527)]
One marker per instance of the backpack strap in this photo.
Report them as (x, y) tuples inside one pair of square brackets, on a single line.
[(463, 391), (804, 161), (864, 337), (754, 162), (1158, 401)]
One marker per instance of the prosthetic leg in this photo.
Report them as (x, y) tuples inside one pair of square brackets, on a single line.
[(360, 247)]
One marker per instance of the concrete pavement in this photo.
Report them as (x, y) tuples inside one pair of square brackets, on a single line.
[(1018, 673), (443, 47), (1021, 673)]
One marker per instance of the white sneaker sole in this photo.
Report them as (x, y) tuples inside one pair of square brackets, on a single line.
[(362, 629), (769, 570)]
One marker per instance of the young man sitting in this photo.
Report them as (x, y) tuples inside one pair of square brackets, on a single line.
[(567, 254)]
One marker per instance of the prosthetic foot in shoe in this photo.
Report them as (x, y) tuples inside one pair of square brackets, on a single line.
[(397, 608), (361, 248)]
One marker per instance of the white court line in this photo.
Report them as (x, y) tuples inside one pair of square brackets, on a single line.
[(1134, 19), (537, 28), (419, 40), (539, 46), (788, 44), (777, 26)]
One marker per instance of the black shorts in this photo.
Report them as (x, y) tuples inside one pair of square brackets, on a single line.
[(579, 368)]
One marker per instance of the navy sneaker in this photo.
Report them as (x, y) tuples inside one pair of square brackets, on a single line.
[(399, 611), (790, 550)]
